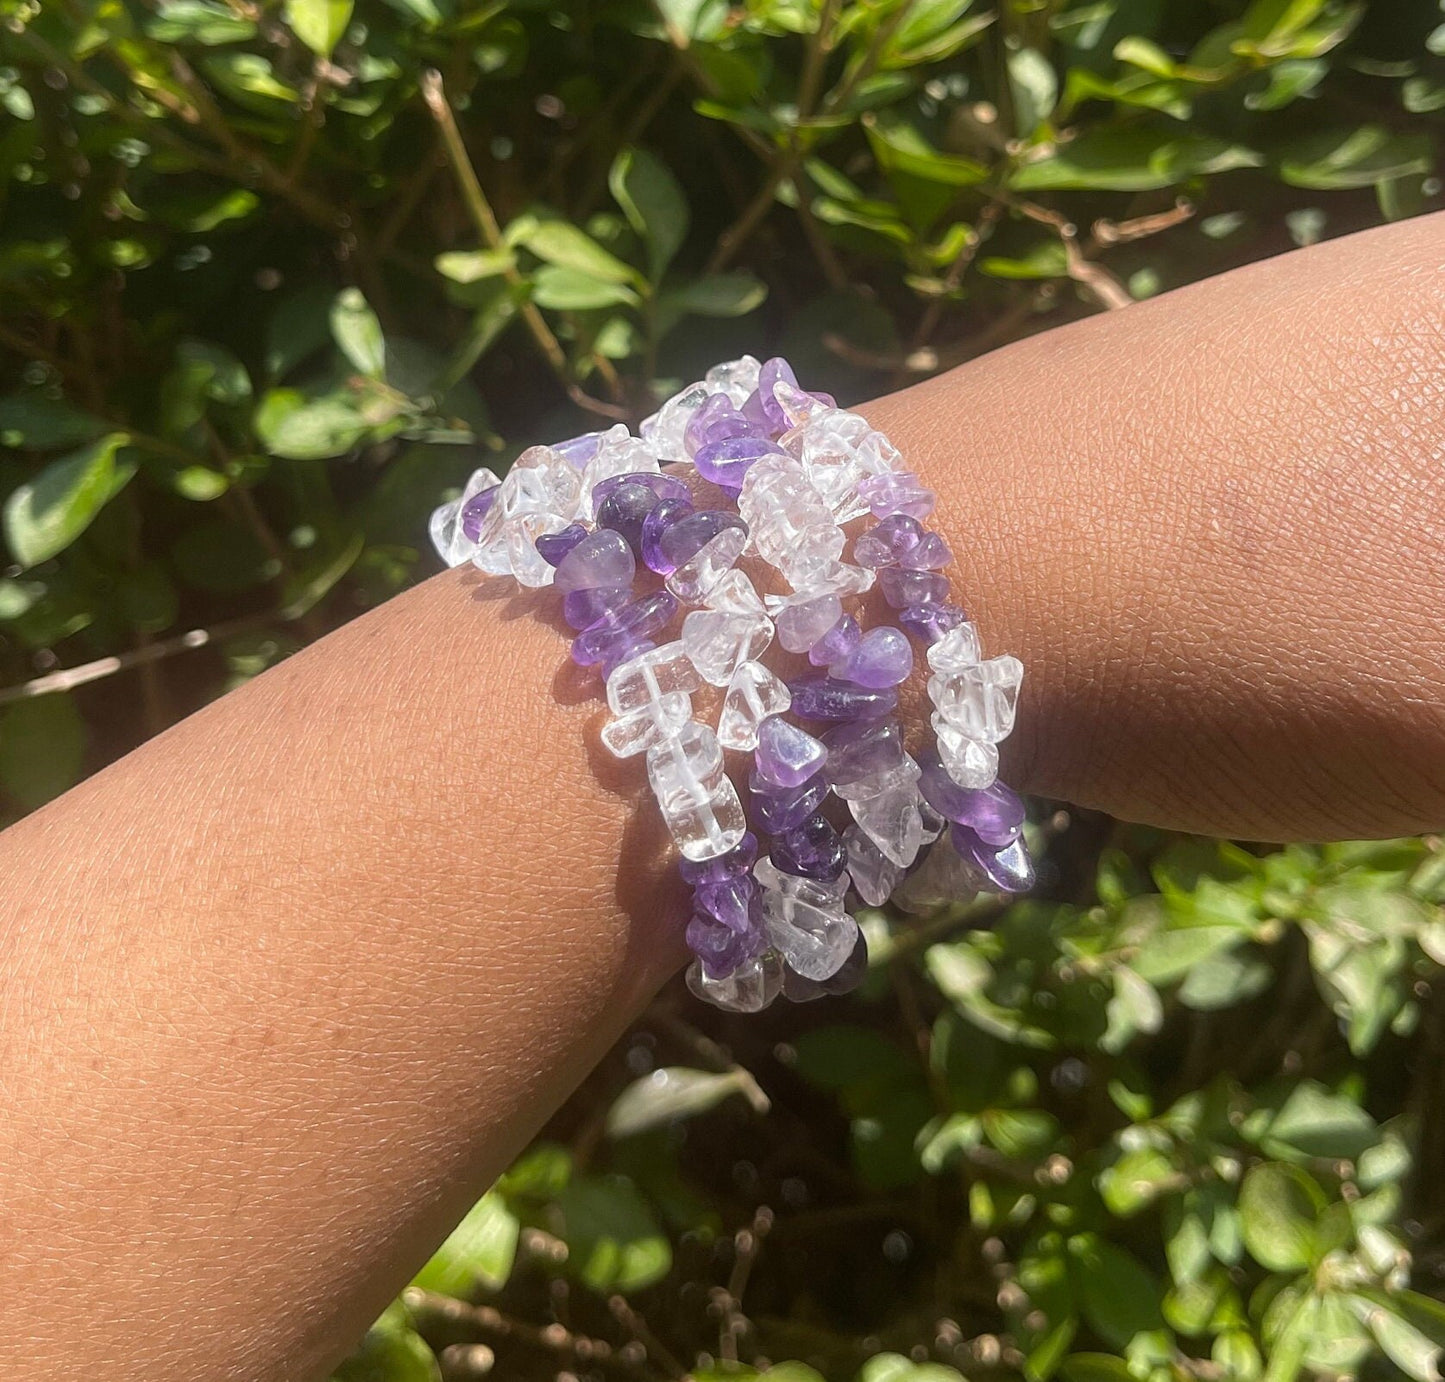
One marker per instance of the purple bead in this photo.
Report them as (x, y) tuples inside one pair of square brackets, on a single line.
[(683, 540), (896, 492), (736, 863), (882, 658), (728, 900), (715, 421), (931, 622), (812, 849), (661, 486), (720, 949), (761, 408), (725, 462), (1009, 869), (837, 643), (667, 513), (777, 809), (861, 749), (903, 588), (601, 558), (624, 501), (579, 450), (828, 698), (583, 608), (931, 553), (787, 756), (634, 621), (995, 813), (552, 547), (475, 510), (888, 541)]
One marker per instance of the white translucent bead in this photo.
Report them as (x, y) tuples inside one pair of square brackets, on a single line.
[(692, 581), (968, 762), (803, 619), (525, 561), (893, 822), (647, 678), (620, 453), (874, 875), (797, 404), (663, 431), (696, 797), (748, 989), (838, 449), (736, 378), (815, 941), (635, 733), (453, 546), (903, 773), (940, 879), (839, 577), (547, 483), (933, 824), (779, 506), (734, 594), (753, 694), (716, 642), (979, 700), (821, 892), (957, 649)]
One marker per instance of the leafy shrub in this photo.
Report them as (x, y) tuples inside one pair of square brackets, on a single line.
[(273, 276)]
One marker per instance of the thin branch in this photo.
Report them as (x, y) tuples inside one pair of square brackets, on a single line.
[(490, 230)]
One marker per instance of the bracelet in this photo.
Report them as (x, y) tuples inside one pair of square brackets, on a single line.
[(770, 882)]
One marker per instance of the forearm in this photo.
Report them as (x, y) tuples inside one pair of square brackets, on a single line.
[(284, 989)]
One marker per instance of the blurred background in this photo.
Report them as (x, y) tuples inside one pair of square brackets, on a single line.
[(275, 275)]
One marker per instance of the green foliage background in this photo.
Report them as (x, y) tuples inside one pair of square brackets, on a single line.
[(275, 274)]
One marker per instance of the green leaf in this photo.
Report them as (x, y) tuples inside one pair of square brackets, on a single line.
[(1130, 160), (45, 515), (567, 247), (198, 21), (300, 429), (651, 199), (319, 24), (1279, 1209), (613, 1240), (1139, 1177), (42, 747), (894, 1367), (719, 295), (357, 332), (571, 290), (1411, 1350), (478, 1252), (900, 148), (1034, 86), (1118, 1295), (35, 422), (1095, 1367), (1333, 159), (470, 266), (391, 1351), (1313, 1122), (672, 1093), (1047, 259), (1223, 980)]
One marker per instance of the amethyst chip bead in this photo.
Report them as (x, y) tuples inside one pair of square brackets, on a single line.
[(602, 558), (583, 608), (658, 522), (552, 547), (882, 658), (786, 755), (736, 863), (811, 849), (931, 622), (830, 698), (904, 588)]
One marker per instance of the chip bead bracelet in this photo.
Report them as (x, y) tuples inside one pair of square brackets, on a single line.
[(770, 872)]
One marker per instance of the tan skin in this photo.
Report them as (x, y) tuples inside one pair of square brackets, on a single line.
[(284, 989)]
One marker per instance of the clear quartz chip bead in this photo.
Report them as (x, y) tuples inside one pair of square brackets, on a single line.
[(635, 733), (893, 821), (957, 649), (979, 700), (619, 453), (804, 618), (821, 892), (734, 594), (453, 545), (941, 879), (663, 431), (735, 378), (873, 873), (813, 938), (527, 564), (692, 581), (837, 577), (904, 773), (753, 694), (838, 450), (696, 797), (748, 989), (968, 762), (644, 680), (779, 506), (550, 480), (716, 642)]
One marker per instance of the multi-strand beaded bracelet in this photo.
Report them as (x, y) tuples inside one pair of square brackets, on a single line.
[(769, 903)]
